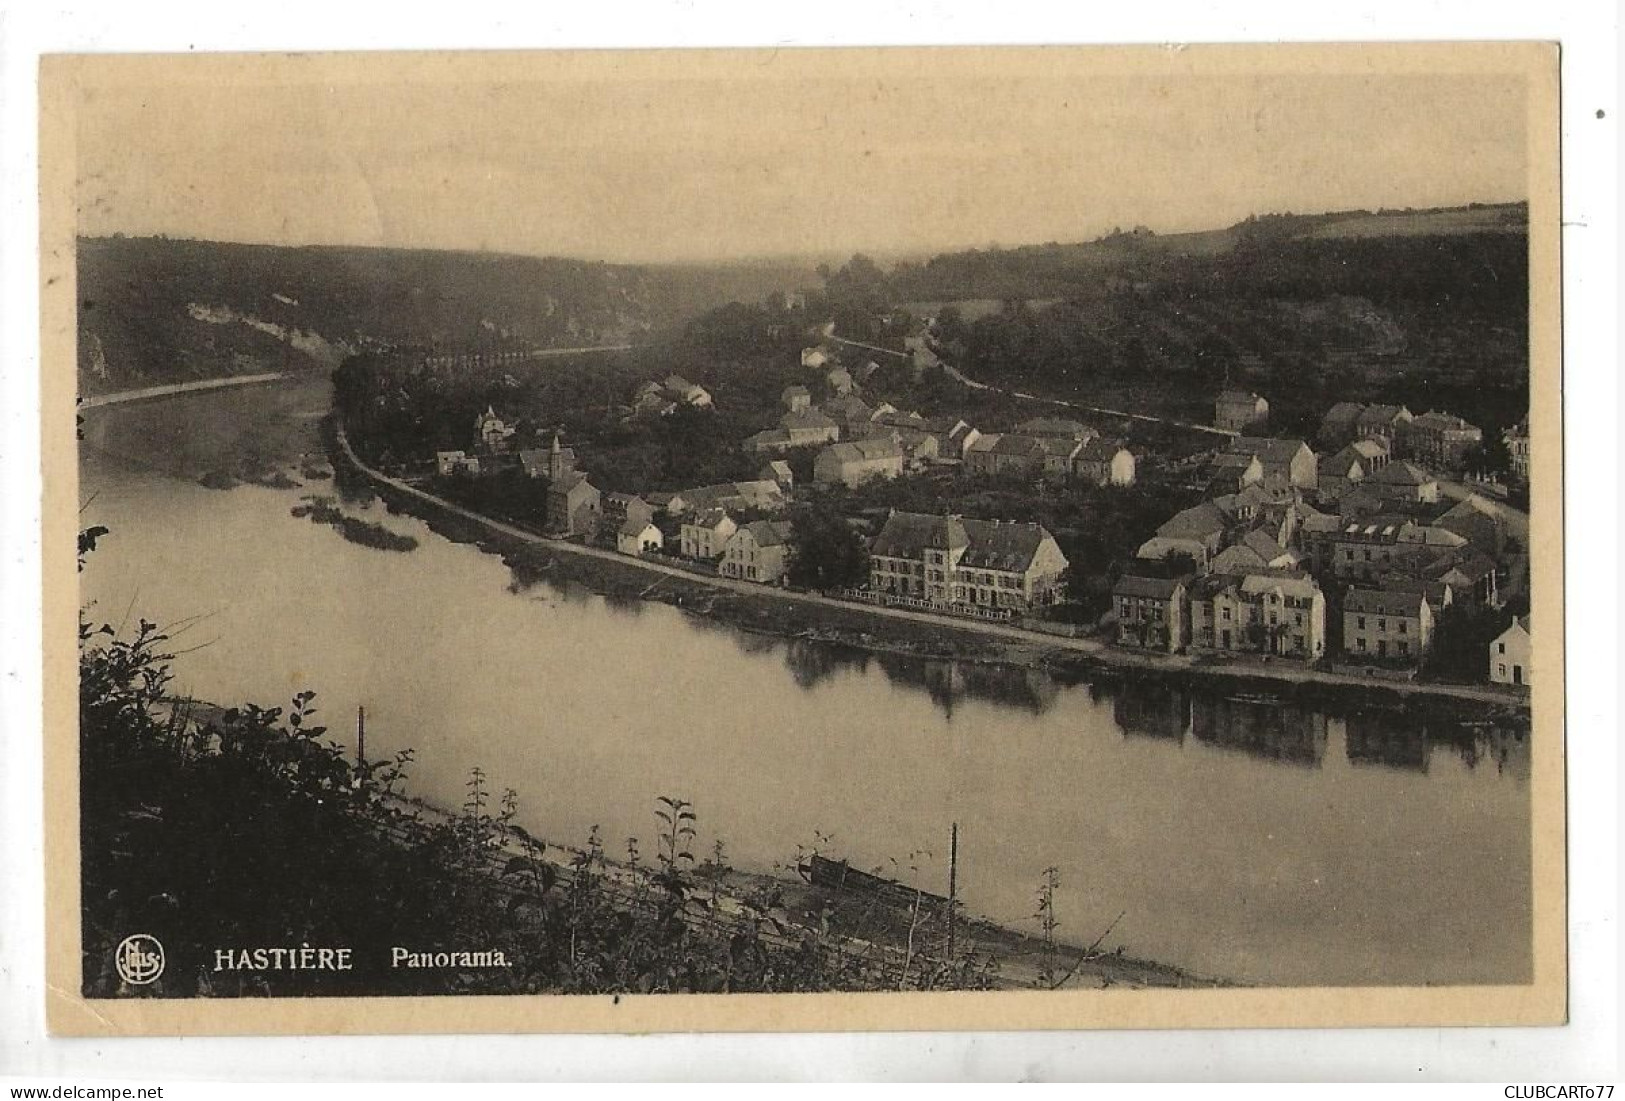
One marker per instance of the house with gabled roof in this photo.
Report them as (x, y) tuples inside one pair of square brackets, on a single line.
[(572, 505), (637, 536), (1254, 551), (850, 413), (1059, 427), (853, 462), (1440, 440), (1276, 612), (1104, 462), (978, 453), (1285, 462), (1388, 625), (1197, 531), (777, 471), (1478, 521), (1512, 654), (796, 398), (1404, 482), (954, 436), (1384, 422), (705, 534), (1337, 427), (758, 551), (1240, 411), (1231, 472), (1150, 613)]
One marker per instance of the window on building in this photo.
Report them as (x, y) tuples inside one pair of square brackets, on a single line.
[(1360, 622), (1502, 669), (1359, 644), (1501, 648), (1226, 616), (1382, 624), (1404, 648), (1404, 627)]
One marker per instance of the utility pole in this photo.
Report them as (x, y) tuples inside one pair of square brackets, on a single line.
[(361, 734), (953, 886)]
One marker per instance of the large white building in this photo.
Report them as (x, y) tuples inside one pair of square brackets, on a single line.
[(954, 562)]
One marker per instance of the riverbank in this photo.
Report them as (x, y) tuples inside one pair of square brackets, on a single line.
[(889, 935), (812, 616)]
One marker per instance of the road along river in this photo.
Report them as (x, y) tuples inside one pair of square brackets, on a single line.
[(1239, 837)]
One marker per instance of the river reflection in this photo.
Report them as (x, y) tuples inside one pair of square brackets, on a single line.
[(1243, 837)]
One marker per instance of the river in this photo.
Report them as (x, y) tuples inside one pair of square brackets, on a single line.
[(1242, 839)]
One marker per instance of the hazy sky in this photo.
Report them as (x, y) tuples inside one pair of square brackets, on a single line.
[(775, 153)]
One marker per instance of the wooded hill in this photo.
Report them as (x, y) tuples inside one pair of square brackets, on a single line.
[(159, 310)]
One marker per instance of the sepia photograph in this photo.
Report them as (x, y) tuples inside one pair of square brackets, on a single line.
[(980, 536)]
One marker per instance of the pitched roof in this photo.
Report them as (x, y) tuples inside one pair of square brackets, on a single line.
[(636, 525), (765, 437), (1344, 412), (1402, 474), (1195, 522), (1368, 448), (795, 391), (1099, 450), (1263, 546), (709, 518), (1471, 507), (805, 420), (1238, 559), (1269, 449), (769, 533), (1240, 460), (1433, 419), (1287, 582), (1023, 446), (847, 405), (907, 534), (1239, 397), (1001, 544), (988, 544), (780, 469), (1157, 588), (1342, 464), (1377, 416), (865, 449), (1385, 601)]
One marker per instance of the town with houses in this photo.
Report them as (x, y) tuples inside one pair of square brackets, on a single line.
[(1345, 552)]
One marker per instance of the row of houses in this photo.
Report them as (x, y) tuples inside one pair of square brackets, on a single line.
[(1435, 439), (1283, 613)]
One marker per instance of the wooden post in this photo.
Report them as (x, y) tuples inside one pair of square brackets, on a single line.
[(953, 886), (361, 734)]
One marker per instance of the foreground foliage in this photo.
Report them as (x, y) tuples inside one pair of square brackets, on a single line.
[(247, 827)]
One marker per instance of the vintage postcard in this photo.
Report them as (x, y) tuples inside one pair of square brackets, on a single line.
[(963, 538)]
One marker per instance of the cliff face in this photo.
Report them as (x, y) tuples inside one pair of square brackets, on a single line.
[(155, 311)]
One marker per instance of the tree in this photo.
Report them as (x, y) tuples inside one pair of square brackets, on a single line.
[(825, 552)]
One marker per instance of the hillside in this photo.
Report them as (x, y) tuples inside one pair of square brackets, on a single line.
[(1426, 308), (155, 310)]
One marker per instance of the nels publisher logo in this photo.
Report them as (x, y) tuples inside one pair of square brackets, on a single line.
[(139, 959)]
